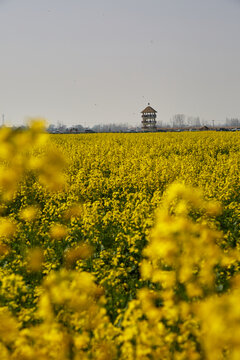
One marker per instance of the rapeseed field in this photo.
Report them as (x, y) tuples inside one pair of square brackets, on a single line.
[(119, 246)]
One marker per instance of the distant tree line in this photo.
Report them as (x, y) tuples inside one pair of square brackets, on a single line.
[(61, 128), (111, 128), (181, 121), (177, 121), (233, 122)]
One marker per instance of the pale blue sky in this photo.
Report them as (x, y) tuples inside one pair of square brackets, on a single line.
[(101, 61)]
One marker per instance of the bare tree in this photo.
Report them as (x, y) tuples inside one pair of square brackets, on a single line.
[(194, 121), (178, 120), (233, 122)]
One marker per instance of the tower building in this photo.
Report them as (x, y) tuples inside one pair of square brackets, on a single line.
[(149, 119)]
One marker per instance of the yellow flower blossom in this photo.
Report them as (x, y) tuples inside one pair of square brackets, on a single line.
[(35, 259), (29, 213), (58, 231), (7, 227)]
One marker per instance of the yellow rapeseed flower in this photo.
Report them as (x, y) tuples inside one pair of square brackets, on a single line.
[(7, 227), (58, 231)]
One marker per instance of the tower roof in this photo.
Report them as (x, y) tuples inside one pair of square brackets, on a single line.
[(148, 109)]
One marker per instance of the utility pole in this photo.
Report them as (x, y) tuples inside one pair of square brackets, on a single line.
[(213, 123), (3, 119)]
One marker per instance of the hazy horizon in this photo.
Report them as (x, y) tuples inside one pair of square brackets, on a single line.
[(87, 63)]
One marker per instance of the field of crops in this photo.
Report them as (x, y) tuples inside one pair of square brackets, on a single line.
[(119, 246)]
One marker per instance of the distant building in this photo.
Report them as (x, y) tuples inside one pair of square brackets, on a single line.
[(73, 130), (149, 119), (204, 128)]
